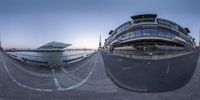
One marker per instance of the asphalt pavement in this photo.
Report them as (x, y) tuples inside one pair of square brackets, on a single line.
[(151, 75), (85, 80)]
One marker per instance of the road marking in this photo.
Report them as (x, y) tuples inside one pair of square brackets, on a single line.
[(168, 68), (30, 72), (63, 69), (57, 84), (59, 88), (120, 60), (66, 74), (126, 68), (20, 84), (85, 80), (79, 67), (148, 63)]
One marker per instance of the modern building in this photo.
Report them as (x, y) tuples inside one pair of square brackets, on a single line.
[(53, 46), (147, 32)]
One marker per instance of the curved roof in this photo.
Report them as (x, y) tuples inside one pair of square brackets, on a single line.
[(141, 16)]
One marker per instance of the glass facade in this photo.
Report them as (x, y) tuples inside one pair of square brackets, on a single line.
[(123, 27), (148, 33), (160, 28)]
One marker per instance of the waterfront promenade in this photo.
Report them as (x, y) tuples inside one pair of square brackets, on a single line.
[(85, 80)]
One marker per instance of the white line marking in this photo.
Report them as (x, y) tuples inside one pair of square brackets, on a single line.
[(168, 67), (20, 84), (67, 73), (124, 68), (63, 69), (49, 90), (71, 76), (148, 63), (83, 81), (120, 60), (79, 67), (57, 84), (30, 72)]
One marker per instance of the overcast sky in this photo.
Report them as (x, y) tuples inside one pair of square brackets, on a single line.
[(32, 23)]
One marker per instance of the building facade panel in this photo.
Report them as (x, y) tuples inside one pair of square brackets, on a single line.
[(147, 28)]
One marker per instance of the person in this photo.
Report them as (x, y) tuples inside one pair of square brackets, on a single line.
[(151, 54)]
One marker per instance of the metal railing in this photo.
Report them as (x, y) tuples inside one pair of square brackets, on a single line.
[(50, 60)]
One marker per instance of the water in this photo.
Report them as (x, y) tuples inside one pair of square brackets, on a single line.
[(52, 58)]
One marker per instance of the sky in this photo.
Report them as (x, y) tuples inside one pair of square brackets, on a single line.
[(32, 23)]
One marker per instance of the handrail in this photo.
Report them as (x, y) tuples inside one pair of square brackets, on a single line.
[(51, 60), (47, 56)]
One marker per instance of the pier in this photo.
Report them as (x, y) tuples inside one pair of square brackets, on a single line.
[(94, 78)]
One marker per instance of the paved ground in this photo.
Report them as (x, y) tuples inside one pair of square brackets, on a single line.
[(81, 81), (151, 75), (85, 80), (154, 57)]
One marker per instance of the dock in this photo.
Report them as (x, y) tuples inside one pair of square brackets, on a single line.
[(95, 79)]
